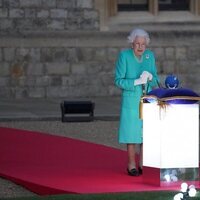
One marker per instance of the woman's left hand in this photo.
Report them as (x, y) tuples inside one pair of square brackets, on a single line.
[(146, 75)]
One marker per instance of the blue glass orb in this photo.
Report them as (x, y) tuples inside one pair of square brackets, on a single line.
[(171, 82)]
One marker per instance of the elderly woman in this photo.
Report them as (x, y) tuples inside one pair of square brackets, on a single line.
[(135, 70)]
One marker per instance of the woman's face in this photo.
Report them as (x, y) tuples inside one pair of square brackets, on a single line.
[(139, 46)]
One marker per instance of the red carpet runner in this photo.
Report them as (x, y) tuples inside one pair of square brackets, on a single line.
[(47, 164)]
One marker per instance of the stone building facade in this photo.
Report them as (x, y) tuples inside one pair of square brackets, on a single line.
[(67, 48)]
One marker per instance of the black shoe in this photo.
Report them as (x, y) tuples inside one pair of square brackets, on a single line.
[(140, 170), (133, 172)]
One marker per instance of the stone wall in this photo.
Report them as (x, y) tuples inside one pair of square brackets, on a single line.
[(81, 64), (76, 65), (178, 53), (19, 16), (53, 48)]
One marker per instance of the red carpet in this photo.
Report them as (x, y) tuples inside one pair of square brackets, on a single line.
[(47, 164)]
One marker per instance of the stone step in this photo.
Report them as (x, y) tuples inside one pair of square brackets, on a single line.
[(157, 26)]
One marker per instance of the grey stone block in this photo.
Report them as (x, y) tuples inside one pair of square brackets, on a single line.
[(36, 92), (46, 54), (59, 55), (3, 12), (181, 53), (35, 54), (170, 53), (20, 93), (10, 3), (30, 13), (57, 91), (114, 91), (193, 52), (56, 24), (57, 68), (55, 80), (16, 13), (169, 67), (75, 80), (107, 79), (49, 3), (159, 53), (4, 81), (93, 67), (6, 92), (42, 81), (84, 4), (35, 69), (90, 14), (22, 53), (9, 54), (72, 54), (85, 54), (43, 13), (100, 54), (31, 3), (7, 25), (28, 81), (38, 24), (112, 53), (66, 4), (4, 69), (58, 13), (24, 24), (79, 68)]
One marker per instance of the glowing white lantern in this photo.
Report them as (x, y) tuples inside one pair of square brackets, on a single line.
[(170, 138), (184, 187), (192, 192)]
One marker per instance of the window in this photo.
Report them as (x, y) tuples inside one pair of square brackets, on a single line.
[(115, 11), (143, 5), (173, 5), (132, 5)]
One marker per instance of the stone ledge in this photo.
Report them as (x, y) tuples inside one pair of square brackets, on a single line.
[(159, 36)]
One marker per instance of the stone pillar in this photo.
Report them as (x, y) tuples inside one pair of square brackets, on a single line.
[(106, 9), (195, 7), (153, 7)]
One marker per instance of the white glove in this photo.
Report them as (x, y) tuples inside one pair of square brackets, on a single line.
[(146, 75), (140, 81)]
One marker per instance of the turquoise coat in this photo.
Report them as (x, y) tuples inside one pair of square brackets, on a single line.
[(129, 68)]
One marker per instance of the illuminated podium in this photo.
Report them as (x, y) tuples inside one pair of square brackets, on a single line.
[(170, 144)]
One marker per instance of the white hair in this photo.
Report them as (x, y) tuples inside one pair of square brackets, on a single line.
[(138, 33)]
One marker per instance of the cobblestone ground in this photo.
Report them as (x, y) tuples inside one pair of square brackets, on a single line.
[(101, 132)]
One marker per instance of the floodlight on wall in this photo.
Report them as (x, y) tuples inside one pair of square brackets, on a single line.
[(77, 111)]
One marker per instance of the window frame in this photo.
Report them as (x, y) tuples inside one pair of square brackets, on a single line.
[(108, 9)]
